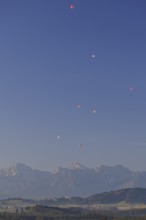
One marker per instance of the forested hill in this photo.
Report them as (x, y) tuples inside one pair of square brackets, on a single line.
[(131, 195)]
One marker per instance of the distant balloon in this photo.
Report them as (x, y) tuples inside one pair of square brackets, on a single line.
[(81, 146), (72, 6), (78, 106), (93, 56), (59, 138), (94, 111), (131, 89)]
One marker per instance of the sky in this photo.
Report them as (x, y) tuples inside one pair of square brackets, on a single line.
[(73, 83)]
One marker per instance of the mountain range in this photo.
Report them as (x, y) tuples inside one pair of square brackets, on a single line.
[(76, 180)]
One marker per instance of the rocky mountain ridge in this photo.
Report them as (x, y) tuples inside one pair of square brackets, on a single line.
[(76, 180)]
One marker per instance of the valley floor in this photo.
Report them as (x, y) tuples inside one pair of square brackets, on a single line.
[(38, 212)]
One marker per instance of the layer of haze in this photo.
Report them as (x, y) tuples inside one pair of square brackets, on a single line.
[(73, 83)]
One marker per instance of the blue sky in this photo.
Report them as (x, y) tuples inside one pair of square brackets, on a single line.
[(47, 68)]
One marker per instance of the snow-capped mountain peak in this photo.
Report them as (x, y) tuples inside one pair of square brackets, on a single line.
[(77, 166)]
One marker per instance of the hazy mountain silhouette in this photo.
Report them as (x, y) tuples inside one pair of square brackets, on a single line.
[(75, 180)]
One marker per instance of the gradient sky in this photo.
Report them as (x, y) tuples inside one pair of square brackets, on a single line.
[(47, 68)]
